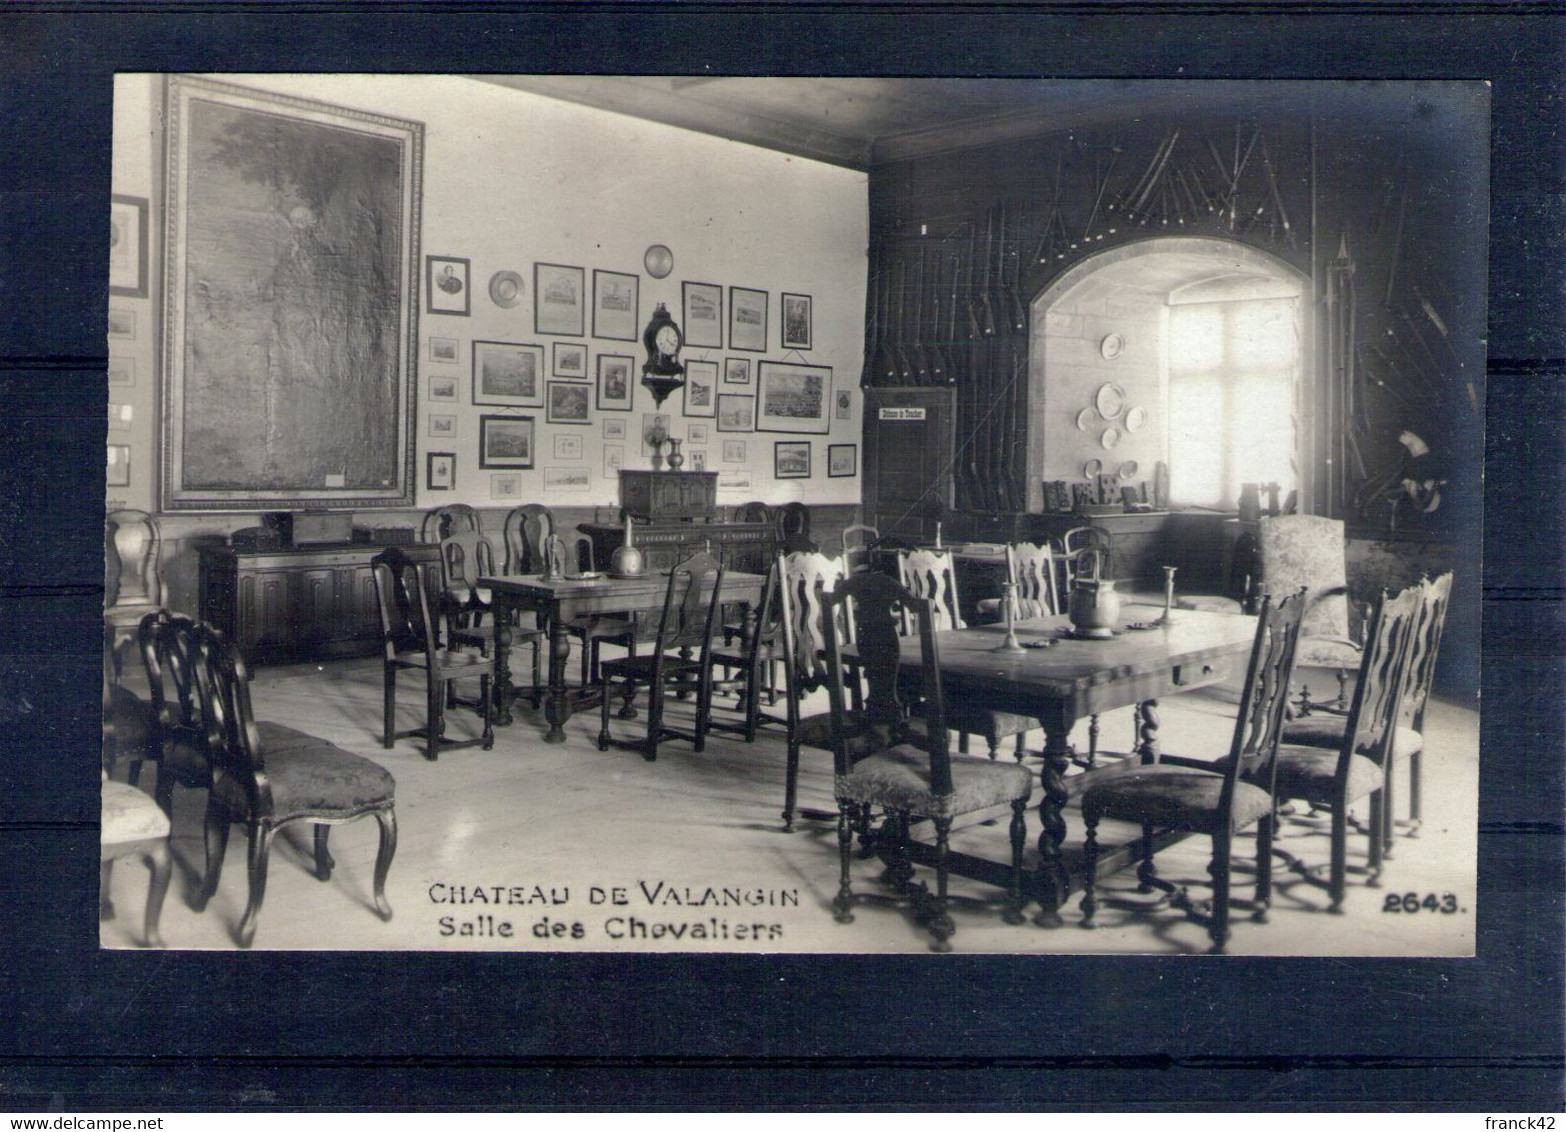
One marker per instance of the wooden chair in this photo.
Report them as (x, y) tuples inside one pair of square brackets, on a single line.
[(1219, 799), (443, 522), (1308, 550), (1335, 780), (131, 718), (268, 790), (753, 512), (131, 824), (690, 607), (1325, 728), (753, 660), (918, 777), (464, 559), (132, 587), (1031, 571), (858, 538), (791, 524), (411, 640), (177, 743)]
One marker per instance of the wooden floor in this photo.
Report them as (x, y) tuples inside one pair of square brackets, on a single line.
[(531, 846)]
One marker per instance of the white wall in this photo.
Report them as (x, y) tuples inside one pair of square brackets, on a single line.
[(511, 179)]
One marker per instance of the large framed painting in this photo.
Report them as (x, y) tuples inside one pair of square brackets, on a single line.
[(290, 302), (792, 398)]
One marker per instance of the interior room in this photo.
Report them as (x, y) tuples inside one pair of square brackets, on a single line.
[(484, 453)]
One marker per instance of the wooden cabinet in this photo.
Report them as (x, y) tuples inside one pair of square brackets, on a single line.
[(652, 496), (739, 546), (291, 605)]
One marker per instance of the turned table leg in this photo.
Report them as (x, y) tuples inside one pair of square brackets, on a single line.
[(1053, 883), (557, 706), (1147, 731), (502, 693)]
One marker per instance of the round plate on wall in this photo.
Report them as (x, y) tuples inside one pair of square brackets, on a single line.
[(1110, 400), (1091, 469), (1085, 419), (1112, 346), (1110, 438), (658, 260), (505, 289), (1136, 417), (1128, 469)]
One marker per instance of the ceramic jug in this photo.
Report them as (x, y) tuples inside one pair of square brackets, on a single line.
[(626, 561), (1095, 606)]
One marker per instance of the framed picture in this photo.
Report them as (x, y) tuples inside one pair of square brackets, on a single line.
[(557, 299), (697, 433), (567, 479), (505, 485), (733, 451), (747, 319), (128, 246), (120, 416), (796, 322), (329, 201), (443, 426), (615, 387), (440, 471), (698, 459), (443, 387), (568, 446), (614, 428), (443, 349), (736, 412), (701, 389), (703, 325), (118, 474), (508, 373), (738, 480), (842, 460), (505, 442), (447, 285), (122, 323), (571, 359), (568, 403), (793, 397), (614, 459), (616, 306), (845, 404), (122, 371), (791, 460), (651, 421), (736, 371)]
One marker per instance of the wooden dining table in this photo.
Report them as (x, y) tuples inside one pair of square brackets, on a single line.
[(560, 600), (1070, 679)]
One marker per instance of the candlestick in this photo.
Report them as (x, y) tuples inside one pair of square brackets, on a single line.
[(1169, 573), (1010, 644), (937, 534)]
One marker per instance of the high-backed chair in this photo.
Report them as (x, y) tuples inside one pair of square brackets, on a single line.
[(752, 659), (690, 606), (1031, 571), (132, 586), (129, 719), (410, 640), (452, 519), (753, 512), (918, 777), (464, 559), (178, 741), (792, 528), (131, 824), (268, 790), (1308, 550), (1218, 800), (858, 538), (1336, 779)]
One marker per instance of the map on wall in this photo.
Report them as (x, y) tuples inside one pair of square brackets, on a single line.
[(290, 302)]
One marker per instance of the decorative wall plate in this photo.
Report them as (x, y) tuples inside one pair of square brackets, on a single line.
[(1128, 469), (1136, 417), (1110, 400), (658, 260), (505, 289), (1091, 469), (1112, 346), (1110, 438), (1085, 419)]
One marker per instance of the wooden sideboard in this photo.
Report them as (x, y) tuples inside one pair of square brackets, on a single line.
[(740, 546), (282, 606)]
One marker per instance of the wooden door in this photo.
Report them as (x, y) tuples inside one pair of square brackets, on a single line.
[(908, 460)]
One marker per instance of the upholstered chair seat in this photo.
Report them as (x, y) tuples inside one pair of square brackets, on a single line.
[(1327, 731), (130, 814), (315, 780), (1174, 796), (1309, 773), (899, 779)]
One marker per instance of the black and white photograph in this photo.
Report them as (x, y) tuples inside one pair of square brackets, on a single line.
[(736, 371), (615, 390), (446, 285), (747, 319), (568, 403), (443, 349), (440, 472), (842, 460), (559, 306), (442, 387), (508, 373), (128, 246), (505, 442), (701, 389), (703, 306), (796, 321), (616, 308), (792, 397), (442, 426), (570, 359), (736, 412), (791, 459)]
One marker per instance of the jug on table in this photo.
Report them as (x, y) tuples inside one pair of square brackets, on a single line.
[(1094, 606)]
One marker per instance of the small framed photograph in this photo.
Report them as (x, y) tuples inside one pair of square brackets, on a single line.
[(791, 460), (697, 433), (505, 442), (738, 480), (736, 371), (614, 460), (128, 246), (443, 387), (845, 404), (122, 371), (508, 373), (505, 485), (614, 428), (698, 459), (703, 325), (440, 471), (571, 360), (118, 466), (568, 446), (616, 306), (122, 323), (615, 387), (443, 426), (747, 319), (120, 416), (842, 460), (446, 285), (793, 397), (733, 451), (650, 422), (736, 412), (443, 349), (567, 479), (557, 299), (796, 322), (568, 403), (701, 389)]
